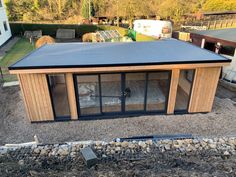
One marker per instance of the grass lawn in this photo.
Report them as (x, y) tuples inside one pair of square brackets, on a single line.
[(19, 50)]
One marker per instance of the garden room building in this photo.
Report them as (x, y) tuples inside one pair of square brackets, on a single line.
[(82, 81)]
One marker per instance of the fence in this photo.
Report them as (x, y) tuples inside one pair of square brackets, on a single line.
[(213, 24)]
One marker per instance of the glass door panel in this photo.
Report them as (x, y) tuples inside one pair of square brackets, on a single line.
[(89, 94), (134, 91), (157, 91), (184, 90), (111, 92), (59, 97)]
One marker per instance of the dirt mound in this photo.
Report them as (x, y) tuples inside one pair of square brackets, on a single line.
[(44, 40)]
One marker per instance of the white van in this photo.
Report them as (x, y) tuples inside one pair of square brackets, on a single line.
[(155, 28)]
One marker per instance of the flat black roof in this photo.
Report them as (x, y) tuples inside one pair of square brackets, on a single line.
[(228, 34), (70, 55)]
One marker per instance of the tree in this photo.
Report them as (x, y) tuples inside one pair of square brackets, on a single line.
[(87, 8), (219, 5), (62, 10)]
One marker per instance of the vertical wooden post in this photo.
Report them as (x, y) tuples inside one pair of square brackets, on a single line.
[(71, 96), (214, 25), (208, 25), (173, 91)]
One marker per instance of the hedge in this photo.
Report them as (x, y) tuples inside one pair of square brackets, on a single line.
[(80, 30), (51, 29)]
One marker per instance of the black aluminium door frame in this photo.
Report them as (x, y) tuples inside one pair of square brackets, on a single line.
[(100, 98), (123, 112)]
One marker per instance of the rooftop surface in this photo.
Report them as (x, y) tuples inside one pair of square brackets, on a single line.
[(71, 55), (228, 34)]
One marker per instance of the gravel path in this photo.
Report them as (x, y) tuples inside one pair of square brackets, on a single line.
[(15, 128)]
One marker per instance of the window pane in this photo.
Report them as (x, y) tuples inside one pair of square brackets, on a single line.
[(5, 26), (111, 92), (57, 85), (134, 91), (157, 91), (88, 88), (184, 89)]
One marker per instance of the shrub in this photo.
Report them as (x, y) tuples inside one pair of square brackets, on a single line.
[(44, 40), (88, 37)]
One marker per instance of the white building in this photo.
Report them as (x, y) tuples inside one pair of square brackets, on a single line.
[(5, 31)]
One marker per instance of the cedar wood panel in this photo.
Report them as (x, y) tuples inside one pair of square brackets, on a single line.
[(71, 96), (39, 107), (173, 90), (36, 96), (204, 88), (116, 68)]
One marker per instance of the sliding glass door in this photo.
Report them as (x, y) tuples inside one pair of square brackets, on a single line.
[(99, 94), (158, 84), (134, 91), (111, 95), (88, 91), (122, 93)]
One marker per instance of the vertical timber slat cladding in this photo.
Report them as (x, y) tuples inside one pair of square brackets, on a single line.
[(29, 96), (28, 110), (204, 88), (71, 96), (173, 91), (36, 97)]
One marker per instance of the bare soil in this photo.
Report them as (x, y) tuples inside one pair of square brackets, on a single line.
[(15, 127), (197, 164)]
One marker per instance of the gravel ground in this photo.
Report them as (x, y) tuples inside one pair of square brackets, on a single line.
[(15, 128)]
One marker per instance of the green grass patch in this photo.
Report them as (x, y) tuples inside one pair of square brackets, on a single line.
[(19, 50), (142, 37)]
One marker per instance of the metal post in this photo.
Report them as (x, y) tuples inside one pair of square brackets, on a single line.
[(218, 46), (1, 73), (203, 43)]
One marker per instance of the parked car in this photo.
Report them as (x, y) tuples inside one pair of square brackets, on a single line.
[(155, 28)]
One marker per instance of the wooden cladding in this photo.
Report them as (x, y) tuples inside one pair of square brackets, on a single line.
[(39, 107), (117, 68), (173, 91), (204, 88), (36, 97), (71, 96)]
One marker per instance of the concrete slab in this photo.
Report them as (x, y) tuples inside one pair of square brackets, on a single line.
[(9, 84)]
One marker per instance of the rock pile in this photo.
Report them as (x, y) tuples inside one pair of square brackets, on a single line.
[(224, 145)]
